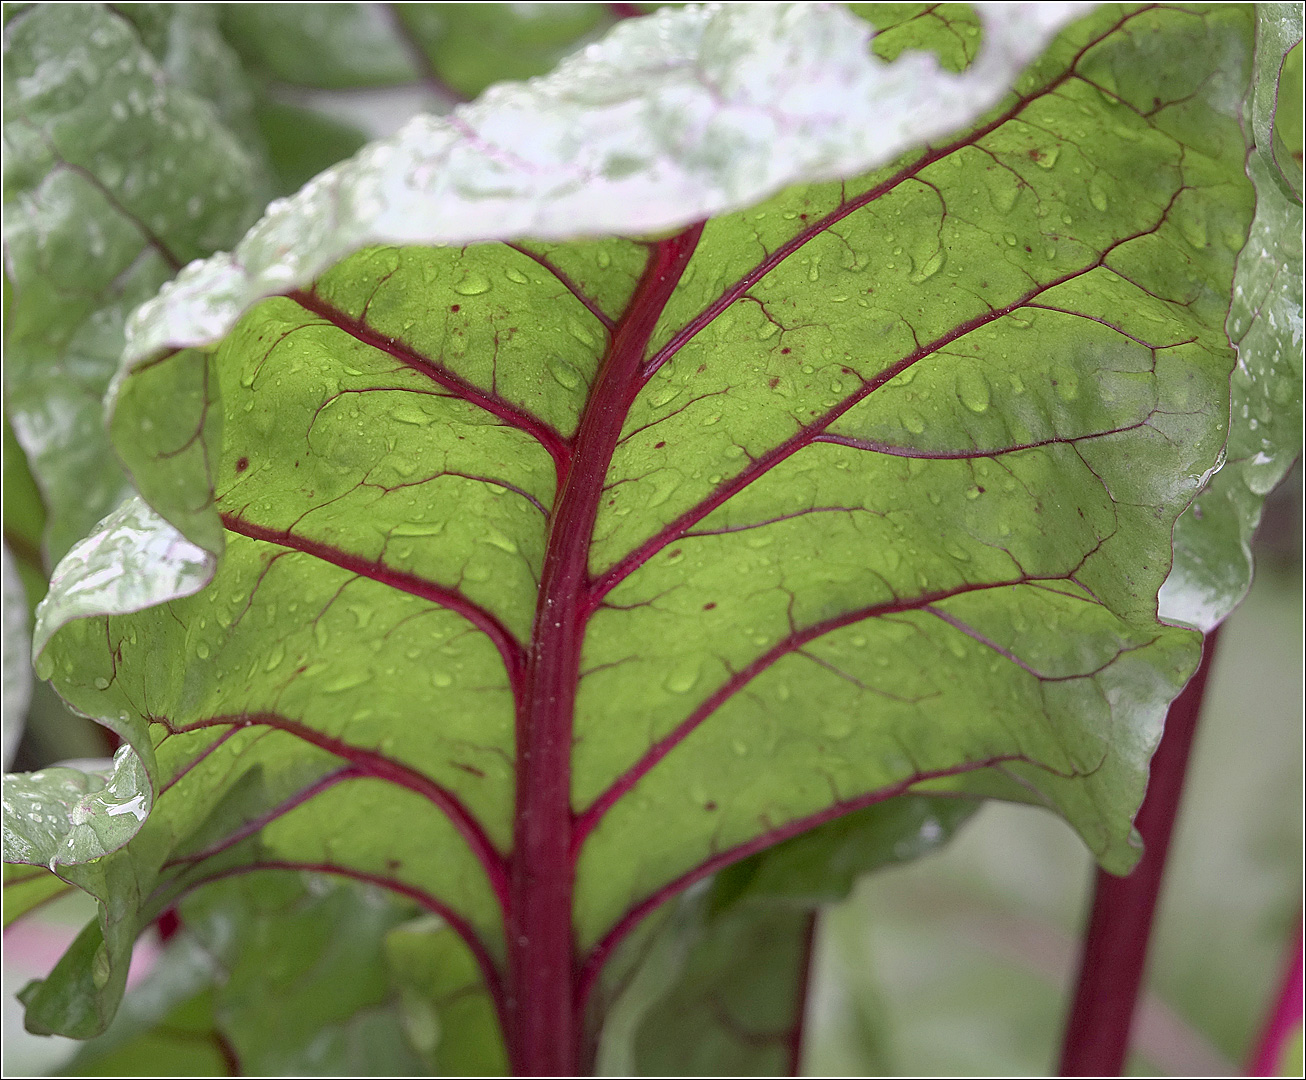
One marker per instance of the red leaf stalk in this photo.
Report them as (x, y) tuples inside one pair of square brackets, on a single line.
[(1114, 953), (1286, 1016)]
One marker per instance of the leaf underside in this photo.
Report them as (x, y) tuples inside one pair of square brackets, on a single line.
[(889, 506)]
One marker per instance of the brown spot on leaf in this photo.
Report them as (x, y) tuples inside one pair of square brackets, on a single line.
[(242, 464)]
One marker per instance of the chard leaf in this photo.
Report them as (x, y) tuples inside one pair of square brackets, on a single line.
[(27, 887), (268, 975), (16, 666), (1213, 556), (720, 989), (642, 556), (449, 1016), (457, 50), (122, 163)]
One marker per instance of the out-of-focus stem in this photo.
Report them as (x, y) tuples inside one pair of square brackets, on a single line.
[(1285, 1016), (1114, 953)]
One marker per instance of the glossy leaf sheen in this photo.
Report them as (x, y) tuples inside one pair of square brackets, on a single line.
[(868, 485), (1213, 560), (122, 163)]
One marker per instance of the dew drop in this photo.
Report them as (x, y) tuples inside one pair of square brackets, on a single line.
[(495, 538), (347, 681), (564, 374), (973, 390), (473, 284), (1097, 194), (682, 678), (410, 413)]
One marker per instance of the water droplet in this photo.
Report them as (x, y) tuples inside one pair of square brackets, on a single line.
[(101, 683), (581, 333), (410, 412), (1048, 158), (417, 528), (1097, 192), (441, 679), (1003, 195), (564, 374), (348, 680), (275, 656), (497, 539), (973, 390), (913, 421), (515, 275), (473, 284), (837, 725), (682, 678)]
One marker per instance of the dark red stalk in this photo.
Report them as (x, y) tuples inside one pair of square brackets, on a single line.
[(1286, 1015), (794, 1039), (1114, 953), (542, 1029)]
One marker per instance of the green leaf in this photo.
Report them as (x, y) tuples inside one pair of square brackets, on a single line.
[(314, 948), (456, 49), (471, 46), (119, 169), (268, 975), (720, 989), (332, 46), (864, 486), (27, 887), (1279, 29), (449, 1016), (301, 143), (16, 665), (24, 514), (166, 1026), (1213, 556)]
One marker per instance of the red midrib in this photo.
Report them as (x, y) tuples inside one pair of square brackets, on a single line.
[(542, 965)]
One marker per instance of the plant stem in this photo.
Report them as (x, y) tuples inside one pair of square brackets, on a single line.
[(1286, 1015), (1114, 954), (800, 1003), (543, 1034)]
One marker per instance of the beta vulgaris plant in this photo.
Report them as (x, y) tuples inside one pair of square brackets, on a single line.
[(582, 532)]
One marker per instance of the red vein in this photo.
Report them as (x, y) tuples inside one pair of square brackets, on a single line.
[(594, 813), (599, 953), (509, 648), (810, 433), (372, 764), (348, 772), (967, 455), (459, 924), (567, 283), (545, 434)]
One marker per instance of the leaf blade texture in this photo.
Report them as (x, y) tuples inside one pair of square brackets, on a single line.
[(847, 483)]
